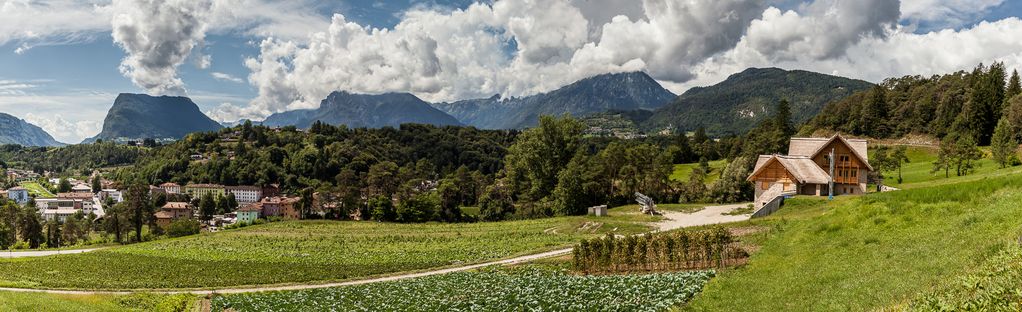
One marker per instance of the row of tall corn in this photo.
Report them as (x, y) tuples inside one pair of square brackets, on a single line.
[(678, 250)]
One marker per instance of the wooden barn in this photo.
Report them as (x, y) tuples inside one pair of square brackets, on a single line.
[(806, 168)]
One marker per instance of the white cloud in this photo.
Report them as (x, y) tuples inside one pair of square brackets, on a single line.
[(65, 130), (226, 77), (823, 30), (158, 36)]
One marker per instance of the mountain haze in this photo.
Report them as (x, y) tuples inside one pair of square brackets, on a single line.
[(365, 111), (17, 131), (597, 94), (737, 104), (139, 116)]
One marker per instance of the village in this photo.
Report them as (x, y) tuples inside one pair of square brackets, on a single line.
[(235, 205)]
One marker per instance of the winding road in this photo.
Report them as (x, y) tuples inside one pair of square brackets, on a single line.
[(671, 221)]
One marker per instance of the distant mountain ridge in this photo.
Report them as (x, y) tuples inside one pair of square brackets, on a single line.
[(365, 111), (737, 104), (14, 130), (140, 116), (597, 94)]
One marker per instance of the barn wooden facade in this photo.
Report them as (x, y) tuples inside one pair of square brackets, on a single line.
[(806, 168)]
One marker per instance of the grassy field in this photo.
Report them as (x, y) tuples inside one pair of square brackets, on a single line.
[(917, 173), (34, 188), (871, 252), (521, 289), (308, 251), (683, 171)]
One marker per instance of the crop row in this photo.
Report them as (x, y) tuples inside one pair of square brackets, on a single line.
[(527, 289)]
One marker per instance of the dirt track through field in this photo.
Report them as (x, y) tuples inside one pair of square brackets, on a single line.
[(672, 221)]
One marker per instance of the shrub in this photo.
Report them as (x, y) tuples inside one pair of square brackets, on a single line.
[(183, 227)]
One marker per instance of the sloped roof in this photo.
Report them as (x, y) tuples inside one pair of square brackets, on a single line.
[(164, 215), (810, 147), (801, 167), (177, 205)]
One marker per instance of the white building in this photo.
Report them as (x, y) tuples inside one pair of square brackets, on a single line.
[(246, 194)]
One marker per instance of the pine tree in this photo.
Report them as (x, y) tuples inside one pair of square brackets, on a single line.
[(1002, 145), (1014, 87), (874, 114), (782, 118)]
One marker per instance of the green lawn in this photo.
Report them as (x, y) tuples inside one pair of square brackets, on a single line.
[(307, 251), (34, 188), (683, 171), (871, 252)]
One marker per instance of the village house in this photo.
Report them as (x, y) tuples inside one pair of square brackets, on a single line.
[(171, 188), (249, 213), (280, 207), (806, 170), (174, 211), (200, 190), (246, 194)]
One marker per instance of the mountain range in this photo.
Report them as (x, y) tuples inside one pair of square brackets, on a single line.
[(737, 104), (365, 111), (140, 116), (597, 94), (17, 131), (731, 107)]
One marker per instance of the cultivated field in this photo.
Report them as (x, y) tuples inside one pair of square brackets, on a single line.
[(523, 289), (308, 251)]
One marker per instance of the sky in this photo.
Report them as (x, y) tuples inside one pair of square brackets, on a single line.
[(62, 62)]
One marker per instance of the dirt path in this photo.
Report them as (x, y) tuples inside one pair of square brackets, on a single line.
[(673, 220), (709, 215), (43, 253)]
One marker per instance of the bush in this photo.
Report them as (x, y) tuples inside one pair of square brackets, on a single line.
[(419, 208), (183, 227)]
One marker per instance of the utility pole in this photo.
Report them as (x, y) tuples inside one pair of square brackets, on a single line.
[(830, 194)]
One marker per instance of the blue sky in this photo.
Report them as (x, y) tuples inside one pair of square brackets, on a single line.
[(64, 75)]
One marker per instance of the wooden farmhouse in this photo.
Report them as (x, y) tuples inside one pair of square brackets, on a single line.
[(806, 168)]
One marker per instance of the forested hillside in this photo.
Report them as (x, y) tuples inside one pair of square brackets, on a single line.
[(961, 104), (79, 159), (736, 105)]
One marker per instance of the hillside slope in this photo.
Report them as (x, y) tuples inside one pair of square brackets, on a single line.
[(737, 104), (365, 111), (139, 116), (14, 130), (598, 94)]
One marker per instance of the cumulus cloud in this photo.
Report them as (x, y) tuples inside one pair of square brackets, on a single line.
[(824, 29), (158, 36)]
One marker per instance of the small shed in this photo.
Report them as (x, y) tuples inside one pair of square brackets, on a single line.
[(599, 211)]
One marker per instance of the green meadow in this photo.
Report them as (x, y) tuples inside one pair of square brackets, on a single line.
[(871, 252)]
